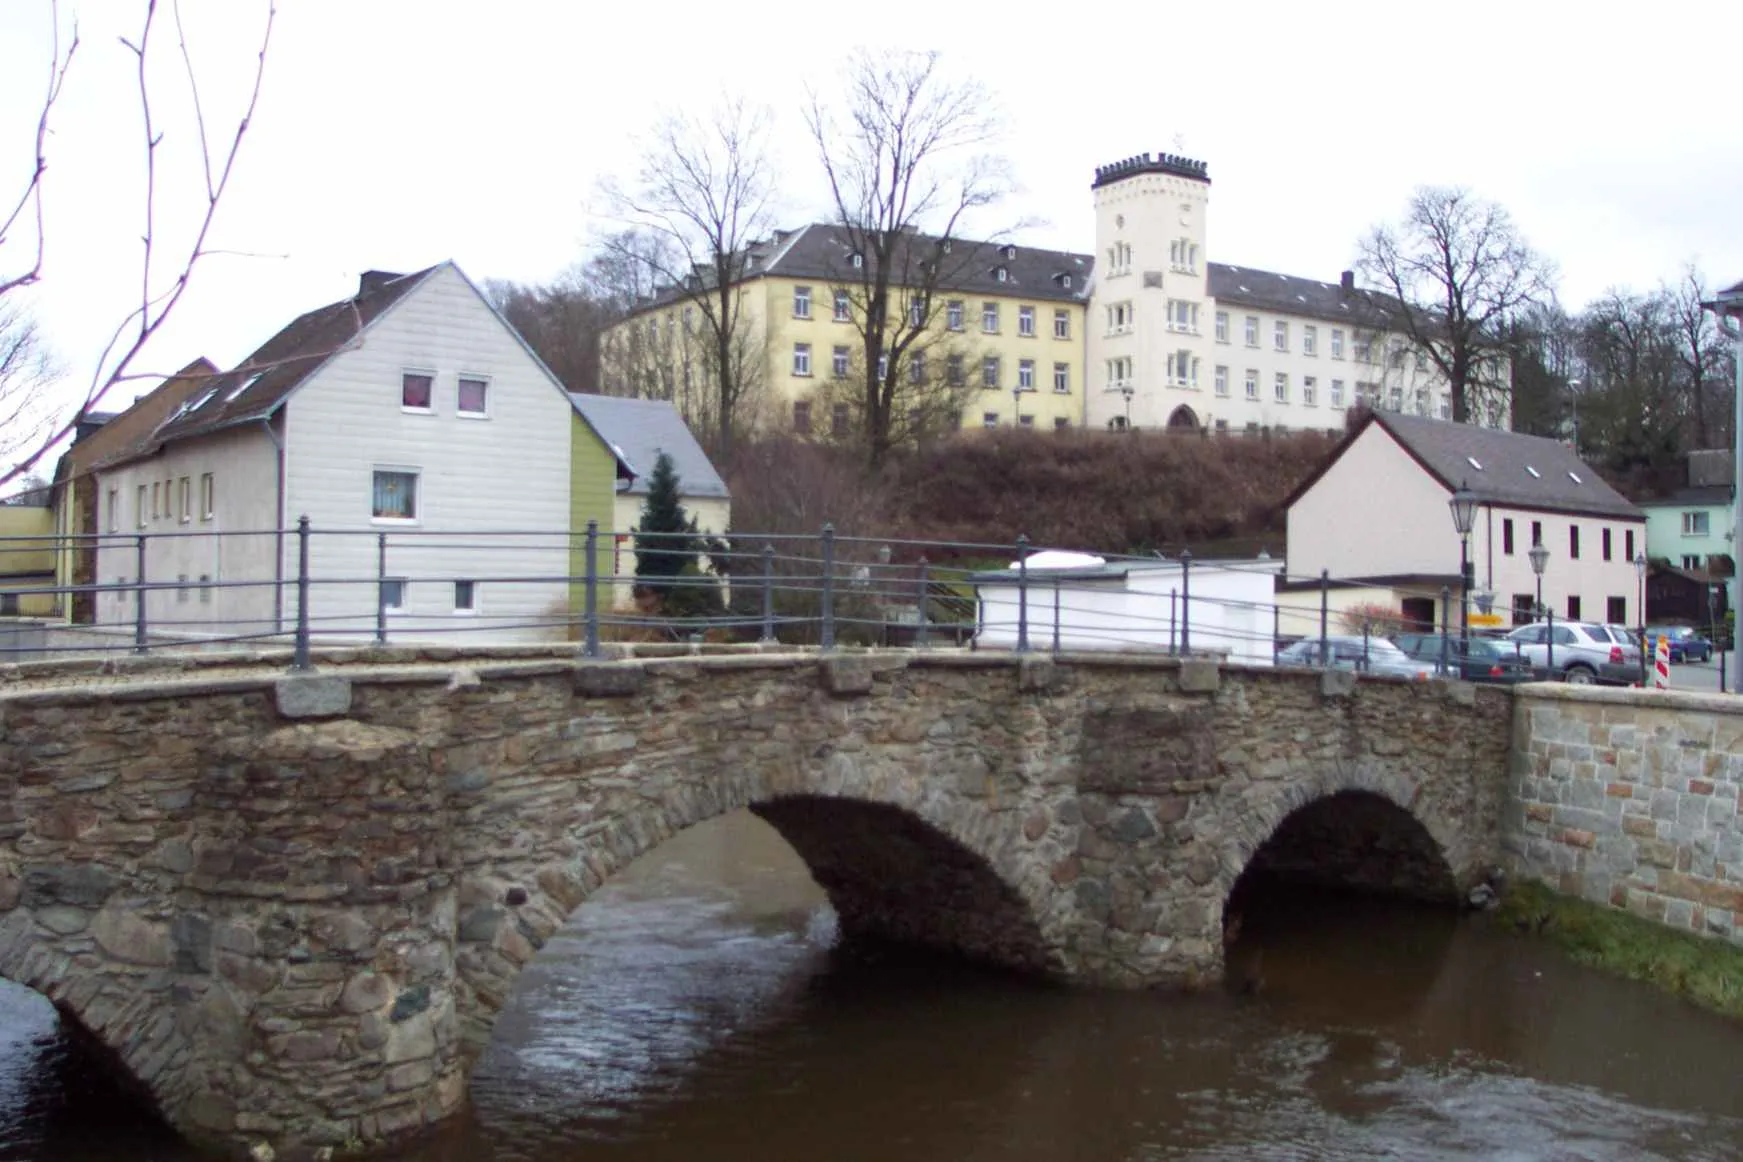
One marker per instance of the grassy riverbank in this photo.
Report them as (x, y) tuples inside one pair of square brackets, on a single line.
[(1707, 972)]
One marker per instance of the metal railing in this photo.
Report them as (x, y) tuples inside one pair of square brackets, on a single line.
[(307, 587)]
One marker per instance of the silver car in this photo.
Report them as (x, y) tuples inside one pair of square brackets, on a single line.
[(1585, 652), (1372, 655)]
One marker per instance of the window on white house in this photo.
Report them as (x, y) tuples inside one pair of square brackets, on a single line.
[(1280, 387), (395, 495), (1222, 326), (114, 510), (1280, 334), (1252, 383), (1222, 380), (417, 391), (205, 589), (139, 506), (208, 496), (801, 302), (989, 318), (185, 493), (393, 590), (1062, 324), (1337, 393), (465, 596), (1026, 374), (1026, 321), (1252, 334), (1309, 339), (1062, 378), (474, 396), (181, 588), (1309, 391), (801, 359), (157, 502), (1694, 524)]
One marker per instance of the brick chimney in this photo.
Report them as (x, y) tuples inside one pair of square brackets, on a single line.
[(1348, 282)]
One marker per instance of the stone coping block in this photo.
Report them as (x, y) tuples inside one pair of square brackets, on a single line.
[(313, 696), (1337, 683), (845, 675), (610, 680), (1200, 675)]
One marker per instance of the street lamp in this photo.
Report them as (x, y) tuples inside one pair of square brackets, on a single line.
[(1640, 575), (1727, 307), (1126, 390), (1539, 554), (1464, 513), (1017, 406)]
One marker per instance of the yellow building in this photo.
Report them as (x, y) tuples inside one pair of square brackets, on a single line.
[(997, 338), (27, 560)]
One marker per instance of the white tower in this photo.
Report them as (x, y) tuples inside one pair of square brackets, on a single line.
[(1150, 318)]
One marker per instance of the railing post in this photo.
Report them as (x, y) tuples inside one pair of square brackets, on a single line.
[(768, 593), (920, 630), (827, 632), (1549, 645), (1325, 618), (380, 589), (590, 603), (1056, 614), (1186, 603), (300, 653), (1173, 620), (1022, 593), (141, 641), (1445, 626)]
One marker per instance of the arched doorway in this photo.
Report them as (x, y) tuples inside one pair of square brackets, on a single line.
[(1184, 419)]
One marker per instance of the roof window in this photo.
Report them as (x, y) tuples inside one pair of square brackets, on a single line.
[(1472, 461), (858, 260), (1535, 474), (1001, 273), (244, 386), (1574, 476)]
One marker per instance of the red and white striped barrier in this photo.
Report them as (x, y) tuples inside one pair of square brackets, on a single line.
[(1661, 664)]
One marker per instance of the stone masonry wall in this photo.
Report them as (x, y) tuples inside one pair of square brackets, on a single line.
[(1630, 798), (293, 906)]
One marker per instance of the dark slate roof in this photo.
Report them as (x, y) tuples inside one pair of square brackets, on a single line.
[(256, 387), (1503, 468), (638, 430), (126, 435), (1267, 290), (825, 251)]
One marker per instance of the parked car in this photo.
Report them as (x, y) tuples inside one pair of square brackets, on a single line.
[(1373, 655), (1585, 652), (1477, 660), (1686, 644)]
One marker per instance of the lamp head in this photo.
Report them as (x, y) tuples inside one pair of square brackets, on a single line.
[(1463, 504), (1539, 554)]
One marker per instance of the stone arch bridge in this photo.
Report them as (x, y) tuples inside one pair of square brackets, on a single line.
[(291, 906)]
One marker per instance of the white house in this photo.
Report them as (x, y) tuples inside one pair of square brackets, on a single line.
[(411, 411), (1073, 601), (639, 430), (1176, 340), (1376, 518)]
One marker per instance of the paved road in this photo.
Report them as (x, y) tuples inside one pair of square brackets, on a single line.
[(1701, 675)]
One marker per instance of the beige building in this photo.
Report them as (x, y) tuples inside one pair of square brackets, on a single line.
[(1179, 341)]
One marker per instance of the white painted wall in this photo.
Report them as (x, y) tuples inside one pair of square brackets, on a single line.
[(243, 464), (1230, 611), (506, 472)]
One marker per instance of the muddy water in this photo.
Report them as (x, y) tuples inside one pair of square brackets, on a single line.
[(699, 1008)]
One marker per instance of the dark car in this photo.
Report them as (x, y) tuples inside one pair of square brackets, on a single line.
[(1476, 660), (1686, 644)]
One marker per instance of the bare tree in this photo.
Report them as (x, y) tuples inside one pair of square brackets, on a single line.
[(165, 267), (904, 152), (1702, 352), (706, 190), (1453, 277), (1635, 402), (27, 371)]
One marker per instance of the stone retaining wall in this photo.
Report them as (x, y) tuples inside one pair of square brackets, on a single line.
[(1630, 798)]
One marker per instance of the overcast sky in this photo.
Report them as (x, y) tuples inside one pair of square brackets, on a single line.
[(396, 133)]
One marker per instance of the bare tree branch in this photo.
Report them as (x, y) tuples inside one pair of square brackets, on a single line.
[(157, 298), (31, 198)]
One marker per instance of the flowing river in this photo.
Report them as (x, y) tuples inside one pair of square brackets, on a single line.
[(699, 1008)]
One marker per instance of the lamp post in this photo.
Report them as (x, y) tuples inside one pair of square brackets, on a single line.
[(1539, 554), (1640, 576), (1017, 406), (1463, 504), (1727, 307), (1126, 390)]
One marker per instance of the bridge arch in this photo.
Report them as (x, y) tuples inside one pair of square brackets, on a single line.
[(1350, 824), (897, 860)]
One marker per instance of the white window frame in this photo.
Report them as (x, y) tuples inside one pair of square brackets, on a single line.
[(1280, 334), (1222, 326), (1252, 330), (802, 360), (1026, 322), (114, 510), (1696, 523), (469, 610), (1280, 387), (417, 506), (390, 584), (989, 318), (1025, 375), (842, 309), (1337, 343), (469, 377), (1251, 383), (185, 495), (1061, 323), (840, 361), (801, 302), (1222, 380), (140, 506), (208, 496), (1309, 391), (953, 315), (406, 373), (1336, 398), (991, 372), (1309, 339), (1062, 378)]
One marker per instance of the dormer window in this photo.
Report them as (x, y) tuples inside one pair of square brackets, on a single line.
[(858, 260), (946, 246), (1010, 252), (1001, 274)]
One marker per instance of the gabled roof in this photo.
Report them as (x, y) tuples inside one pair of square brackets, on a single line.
[(825, 251), (121, 436), (256, 387), (1509, 469), (1289, 294), (1708, 494), (638, 430)]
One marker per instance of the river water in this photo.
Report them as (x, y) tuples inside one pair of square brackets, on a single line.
[(699, 1008)]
